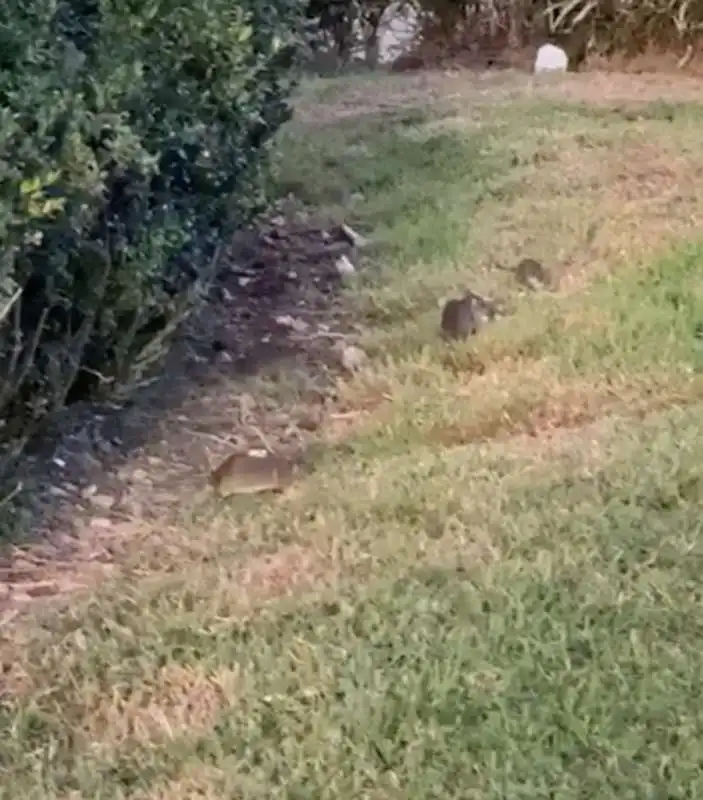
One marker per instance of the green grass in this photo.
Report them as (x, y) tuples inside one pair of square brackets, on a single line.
[(495, 591), (564, 662)]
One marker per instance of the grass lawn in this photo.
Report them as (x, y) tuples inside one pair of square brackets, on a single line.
[(497, 592)]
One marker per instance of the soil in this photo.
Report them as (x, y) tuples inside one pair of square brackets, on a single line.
[(106, 472)]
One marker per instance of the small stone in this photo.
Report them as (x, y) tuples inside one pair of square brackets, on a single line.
[(58, 491), (351, 357), (257, 452), (551, 58), (345, 267), (132, 507), (102, 523), (355, 239), (140, 475), (40, 588), (89, 491), (298, 325), (103, 501)]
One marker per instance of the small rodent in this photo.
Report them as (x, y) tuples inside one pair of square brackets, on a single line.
[(531, 274), (459, 319), (464, 317), (244, 474)]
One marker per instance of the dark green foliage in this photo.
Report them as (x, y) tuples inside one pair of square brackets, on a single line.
[(133, 137)]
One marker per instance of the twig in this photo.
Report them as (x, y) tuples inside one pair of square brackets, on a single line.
[(18, 488), (10, 303), (264, 440)]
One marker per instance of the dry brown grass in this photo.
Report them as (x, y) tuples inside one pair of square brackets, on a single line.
[(175, 702), (287, 570), (537, 409), (196, 781), (441, 91), (652, 62), (607, 87)]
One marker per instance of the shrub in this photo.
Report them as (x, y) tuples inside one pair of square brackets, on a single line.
[(133, 139), (586, 28)]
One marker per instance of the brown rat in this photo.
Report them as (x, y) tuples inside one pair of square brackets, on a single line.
[(459, 319), (464, 317), (245, 474), (531, 273)]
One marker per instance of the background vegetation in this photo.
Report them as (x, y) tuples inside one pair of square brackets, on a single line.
[(447, 28), (133, 138)]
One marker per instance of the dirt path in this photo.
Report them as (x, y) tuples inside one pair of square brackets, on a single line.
[(257, 363)]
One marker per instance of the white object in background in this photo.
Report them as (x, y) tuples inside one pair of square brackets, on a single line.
[(345, 266), (551, 58)]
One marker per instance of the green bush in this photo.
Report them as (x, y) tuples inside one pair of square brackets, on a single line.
[(133, 139)]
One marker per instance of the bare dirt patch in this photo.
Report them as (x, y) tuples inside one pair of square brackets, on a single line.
[(256, 367)]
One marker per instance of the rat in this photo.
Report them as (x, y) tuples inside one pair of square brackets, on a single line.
[(245, 474), (459, 319), (464, 317), (530, 273)]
